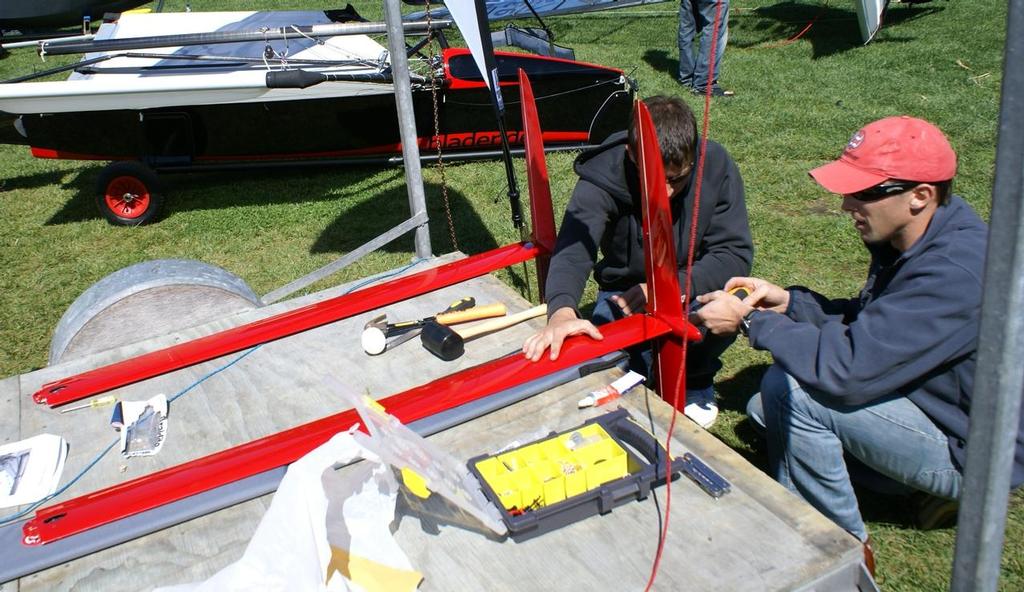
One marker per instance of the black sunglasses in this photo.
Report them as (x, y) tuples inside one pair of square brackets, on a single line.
[(883, 190), (675, 180)]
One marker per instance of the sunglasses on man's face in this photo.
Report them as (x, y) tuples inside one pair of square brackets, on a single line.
[(681, 177), (883, 190)]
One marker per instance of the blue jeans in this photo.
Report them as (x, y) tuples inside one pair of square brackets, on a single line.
[(702, 358), (807, 437), (701, 22)]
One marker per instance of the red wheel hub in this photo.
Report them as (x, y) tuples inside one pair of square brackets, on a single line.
[(127, 197)]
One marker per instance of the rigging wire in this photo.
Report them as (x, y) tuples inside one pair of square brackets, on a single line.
[(614, 82), (687, 296), (301, 34)]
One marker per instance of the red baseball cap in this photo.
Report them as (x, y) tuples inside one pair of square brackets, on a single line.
[(902, 147)]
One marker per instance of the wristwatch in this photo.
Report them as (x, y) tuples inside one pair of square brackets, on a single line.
[(745, 322)]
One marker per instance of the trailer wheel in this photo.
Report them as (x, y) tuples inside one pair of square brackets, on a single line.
[(129, 193), (148, 300)]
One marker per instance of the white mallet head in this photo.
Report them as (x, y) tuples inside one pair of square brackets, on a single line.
[(374, 341)]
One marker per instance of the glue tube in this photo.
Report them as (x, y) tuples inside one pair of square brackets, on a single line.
[(612, 391)]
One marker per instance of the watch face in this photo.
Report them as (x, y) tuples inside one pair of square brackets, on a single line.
[(745, 322)]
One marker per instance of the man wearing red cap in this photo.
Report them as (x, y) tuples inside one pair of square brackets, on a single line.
[(885, 377)]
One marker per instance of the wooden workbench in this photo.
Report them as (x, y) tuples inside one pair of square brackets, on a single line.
[(758, 537)]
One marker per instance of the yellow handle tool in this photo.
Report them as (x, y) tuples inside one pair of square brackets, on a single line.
[(100, 402)]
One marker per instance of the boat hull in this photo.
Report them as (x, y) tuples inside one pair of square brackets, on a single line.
[(869, 17), (21, 14), (579, 104)]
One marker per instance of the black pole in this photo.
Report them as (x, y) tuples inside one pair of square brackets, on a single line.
[(543, 25), (491, 76), (59, 69)]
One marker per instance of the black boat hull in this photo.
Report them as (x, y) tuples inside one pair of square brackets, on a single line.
[(30, 14), (579, 104)]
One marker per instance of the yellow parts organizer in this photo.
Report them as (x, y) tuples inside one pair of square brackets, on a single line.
[(565, 477), (549, 471)]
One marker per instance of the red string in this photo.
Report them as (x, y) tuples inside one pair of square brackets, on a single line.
[(686, 289), (801, 33)]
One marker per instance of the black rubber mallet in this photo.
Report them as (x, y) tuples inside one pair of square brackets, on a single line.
[(448, 344), (379, 335)]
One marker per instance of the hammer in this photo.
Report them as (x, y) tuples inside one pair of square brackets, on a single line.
[(448, 344), (379, 335)]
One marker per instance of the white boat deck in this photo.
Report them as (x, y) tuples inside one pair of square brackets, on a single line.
[(145, 83)]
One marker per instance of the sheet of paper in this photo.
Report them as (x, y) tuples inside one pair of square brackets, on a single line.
[(30, 469)]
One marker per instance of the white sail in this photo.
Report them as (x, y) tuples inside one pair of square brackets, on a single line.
[(464, 13)]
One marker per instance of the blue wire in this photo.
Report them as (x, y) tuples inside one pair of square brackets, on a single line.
[(88, 467), (389, 274), (212, 374)]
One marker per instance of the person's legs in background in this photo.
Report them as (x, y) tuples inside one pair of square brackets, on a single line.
[(707, 10), (687, 32)]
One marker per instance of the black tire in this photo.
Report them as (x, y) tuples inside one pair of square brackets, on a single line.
[(129, 193)]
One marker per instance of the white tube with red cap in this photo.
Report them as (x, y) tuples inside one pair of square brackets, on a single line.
[(611, 392)]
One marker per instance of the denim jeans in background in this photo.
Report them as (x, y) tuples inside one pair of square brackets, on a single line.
[(694, 72), (807, 438), (702, 358)]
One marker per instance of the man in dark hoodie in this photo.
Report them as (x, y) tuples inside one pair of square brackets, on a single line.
[(885, 377), (604, 213)]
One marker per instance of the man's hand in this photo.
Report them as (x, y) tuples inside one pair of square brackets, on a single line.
[(721, 312), (632, 300), (563, 323), (761, 294)]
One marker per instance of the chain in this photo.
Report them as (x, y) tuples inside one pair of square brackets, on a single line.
[(437, 140)]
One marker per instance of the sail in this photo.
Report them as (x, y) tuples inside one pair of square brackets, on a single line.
[(513, 9), (869, 12), (472, 23)]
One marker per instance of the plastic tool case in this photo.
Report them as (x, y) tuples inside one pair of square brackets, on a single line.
[(535, 488), (539, 487)]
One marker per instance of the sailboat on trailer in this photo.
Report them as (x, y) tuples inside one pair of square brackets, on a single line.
[(305, 96)]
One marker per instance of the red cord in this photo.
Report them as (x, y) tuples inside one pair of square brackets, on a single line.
[(801, 33), (686, 291)]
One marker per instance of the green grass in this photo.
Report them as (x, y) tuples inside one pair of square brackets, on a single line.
[(796, 105)]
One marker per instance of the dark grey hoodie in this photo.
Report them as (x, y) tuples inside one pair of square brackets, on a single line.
[(604, 212)]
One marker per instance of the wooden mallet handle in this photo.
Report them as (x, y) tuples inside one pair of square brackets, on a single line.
[(503, 322), (472, 314)]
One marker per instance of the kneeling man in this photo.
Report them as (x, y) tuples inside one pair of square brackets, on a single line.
[(886, 376)]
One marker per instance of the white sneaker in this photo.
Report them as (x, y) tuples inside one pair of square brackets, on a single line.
[(701, 406)]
